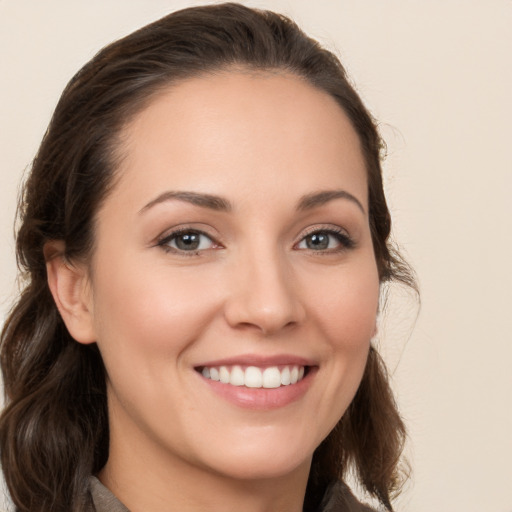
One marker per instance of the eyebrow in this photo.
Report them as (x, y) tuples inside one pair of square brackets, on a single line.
[(203, 200), (213, 202), (315, 199)]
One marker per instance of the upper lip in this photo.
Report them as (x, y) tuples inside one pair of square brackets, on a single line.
[(261, 361)]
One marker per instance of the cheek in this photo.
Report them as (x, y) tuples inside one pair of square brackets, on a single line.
[(154, 312), (146, 324), (343, 305), (346, 306)]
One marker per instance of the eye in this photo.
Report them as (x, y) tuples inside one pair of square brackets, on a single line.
[(189, 240), (325, 240)]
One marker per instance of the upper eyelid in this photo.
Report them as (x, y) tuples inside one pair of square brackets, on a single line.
[(177, 230), (329, 228)]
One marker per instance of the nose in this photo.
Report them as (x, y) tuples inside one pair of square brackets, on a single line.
[(263, 295)]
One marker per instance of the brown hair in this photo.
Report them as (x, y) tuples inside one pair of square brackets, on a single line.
[(54, 429)]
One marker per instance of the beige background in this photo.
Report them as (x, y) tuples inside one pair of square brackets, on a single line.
[(438, 76)]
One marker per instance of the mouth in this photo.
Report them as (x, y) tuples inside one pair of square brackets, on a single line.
[(267, 377), (259, 382)]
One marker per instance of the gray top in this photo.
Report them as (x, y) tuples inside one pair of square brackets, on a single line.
[(338, 498), (102, 499)]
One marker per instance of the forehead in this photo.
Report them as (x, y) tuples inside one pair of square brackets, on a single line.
[(254, 128)]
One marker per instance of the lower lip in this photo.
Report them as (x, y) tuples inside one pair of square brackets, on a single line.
[(262, 398)]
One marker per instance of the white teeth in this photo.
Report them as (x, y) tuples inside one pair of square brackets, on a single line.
[(237, 376), (271, 377), (224, 375), (285, 376), (254, 377)]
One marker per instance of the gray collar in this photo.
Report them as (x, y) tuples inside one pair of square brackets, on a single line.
[(103, 500), (338, 498)]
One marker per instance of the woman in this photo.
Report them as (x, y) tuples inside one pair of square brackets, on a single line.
[(205, 235)]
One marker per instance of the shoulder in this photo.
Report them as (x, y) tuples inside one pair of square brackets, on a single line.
[(100, 499), (339, 498)]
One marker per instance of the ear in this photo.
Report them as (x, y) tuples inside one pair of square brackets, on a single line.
[(70, 286)]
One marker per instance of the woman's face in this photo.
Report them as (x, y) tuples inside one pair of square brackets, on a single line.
[(234, 246)]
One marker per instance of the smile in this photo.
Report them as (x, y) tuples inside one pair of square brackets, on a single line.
[(254, 376)]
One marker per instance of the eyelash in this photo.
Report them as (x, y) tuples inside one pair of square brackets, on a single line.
[(167, 239), (344, 240)]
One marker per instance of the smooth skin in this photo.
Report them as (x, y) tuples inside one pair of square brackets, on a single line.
[(272, 268)]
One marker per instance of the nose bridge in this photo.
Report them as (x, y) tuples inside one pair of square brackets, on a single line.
[(263, 293)]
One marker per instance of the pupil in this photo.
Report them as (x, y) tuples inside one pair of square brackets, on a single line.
[(187, 242), (318, 241)]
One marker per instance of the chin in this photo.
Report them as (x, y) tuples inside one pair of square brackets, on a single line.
[(264, 468), (264, 460)]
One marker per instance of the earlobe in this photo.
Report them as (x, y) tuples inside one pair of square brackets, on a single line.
[(70, 287)]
